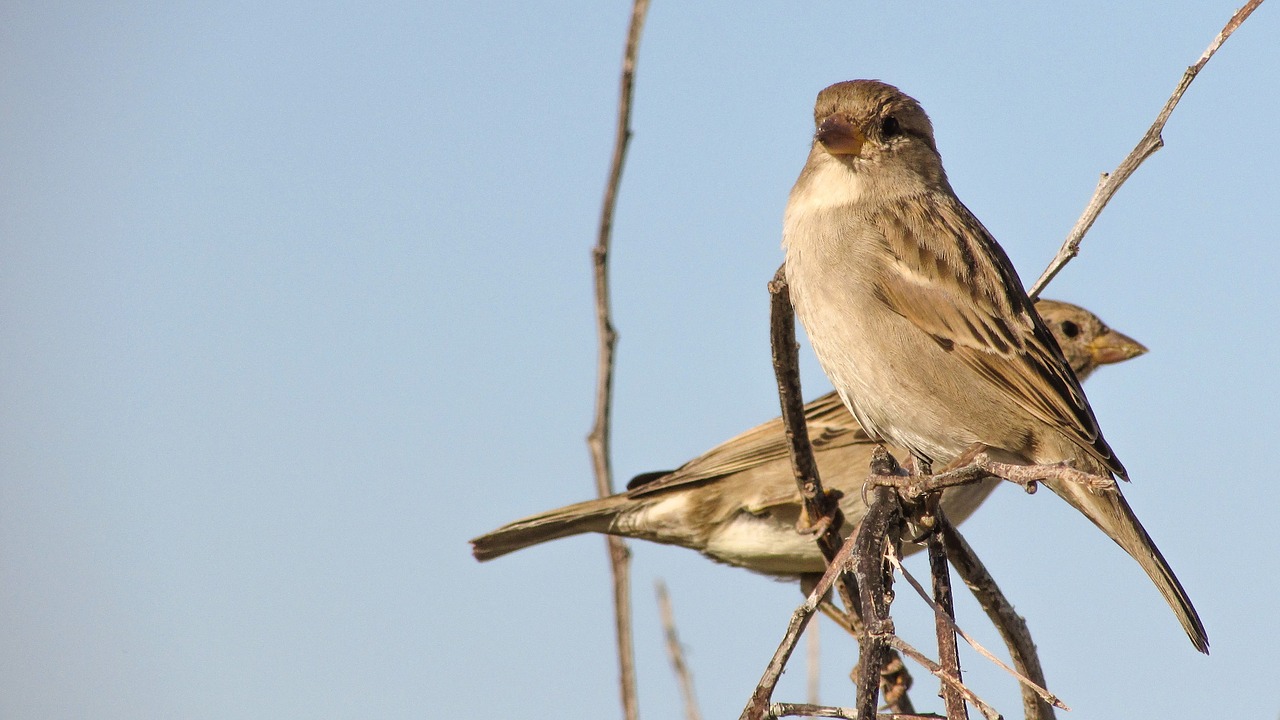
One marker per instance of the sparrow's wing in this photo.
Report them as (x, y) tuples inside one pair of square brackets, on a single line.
[(952, 280), (830, 426)]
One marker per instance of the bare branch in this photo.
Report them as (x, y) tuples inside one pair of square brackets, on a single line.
[(1028, 475), (944, 615), (598, 440), (875, 583), (895, 681), (1147, 146), (1012, 628), (814, 665), (778, 710), (933, 667), (875, 548), (911, 487), (821, 509), (982, 467), (676, 653), (758, 706), (881, 530), (949, 620)]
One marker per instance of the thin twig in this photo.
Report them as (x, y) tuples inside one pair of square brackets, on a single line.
[(1012, 628), (875, 583), (814, 663), (944, 613), (1037, 700), (821, 509), (1028, 475), (911, 487), (599, 439), (950, 620), (778, 710), (758, 706), (982, 467), (675, 652), (906, 649), (895, 680), (1147, 146)]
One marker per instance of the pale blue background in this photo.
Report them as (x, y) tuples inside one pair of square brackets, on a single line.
[(296, 299)]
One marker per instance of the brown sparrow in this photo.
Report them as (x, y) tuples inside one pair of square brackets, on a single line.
[(738, 503), (921, 323)]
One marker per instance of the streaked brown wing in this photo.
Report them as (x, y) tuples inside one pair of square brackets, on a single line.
[(952, 280), (830, 426)]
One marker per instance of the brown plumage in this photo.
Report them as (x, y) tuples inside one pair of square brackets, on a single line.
[(919, 319), (738, 502)]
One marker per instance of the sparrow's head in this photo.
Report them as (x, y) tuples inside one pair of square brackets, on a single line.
[(1086, 341), (866, 124)]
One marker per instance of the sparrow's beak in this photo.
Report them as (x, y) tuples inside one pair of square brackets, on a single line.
[(1113, 347), (839, 136)]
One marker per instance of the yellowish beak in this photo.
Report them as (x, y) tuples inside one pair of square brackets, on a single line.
[(1113, 347)]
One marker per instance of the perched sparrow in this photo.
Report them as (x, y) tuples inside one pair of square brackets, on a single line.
[(921, 323), (738, 503)]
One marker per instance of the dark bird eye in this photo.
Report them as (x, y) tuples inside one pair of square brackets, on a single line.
[(889, 127), (1070, 329)]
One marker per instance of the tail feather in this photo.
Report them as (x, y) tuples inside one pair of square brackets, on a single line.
[(1110, 512), (584, 517)]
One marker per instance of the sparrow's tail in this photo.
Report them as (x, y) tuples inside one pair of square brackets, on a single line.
[(1110, 512), (584, 517)]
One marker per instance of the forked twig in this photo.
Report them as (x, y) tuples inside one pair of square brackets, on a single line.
[(599, 439), (1108, 184)]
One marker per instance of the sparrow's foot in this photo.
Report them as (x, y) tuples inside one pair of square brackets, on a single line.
[(813, 528)]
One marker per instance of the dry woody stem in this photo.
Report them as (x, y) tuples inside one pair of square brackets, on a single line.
[(813, 665), (598, 440), (902, 646), (758, 706), (1108, 184), (821, 509), (944, 611), (946, 617), (1012, 628), (778, 710), (675, 652), (875, 581)]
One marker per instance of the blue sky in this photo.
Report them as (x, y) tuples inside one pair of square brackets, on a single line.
[(295, 299)]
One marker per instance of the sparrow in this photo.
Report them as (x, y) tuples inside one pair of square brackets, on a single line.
[(738, 502), (921, 322)]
